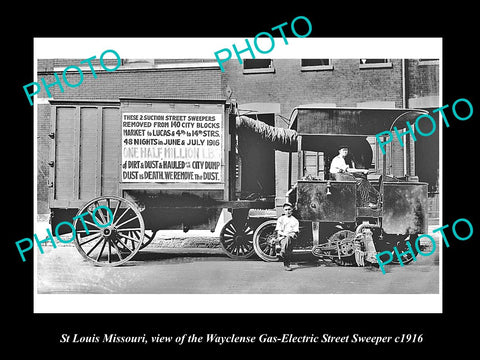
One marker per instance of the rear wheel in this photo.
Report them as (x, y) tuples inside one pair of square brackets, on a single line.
[(237, 240), (263, 241), (109, 231)]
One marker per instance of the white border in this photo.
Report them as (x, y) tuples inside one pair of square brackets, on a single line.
[(248, 303), (83, 48), (194, 48)]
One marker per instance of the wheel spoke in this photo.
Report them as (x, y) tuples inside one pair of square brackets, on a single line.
[(235, 249), (133, 218), (109, 253), (130, 229), (267, 247), (93, 248), (93, 218), (230, 231), (116, 222), (99, 211), (137, 236), (89, 231), (118, 251), (228, 239), (101, 251), (93, 237), (230, 246), (124, 245), (116, 209), (89, 223), (130, 238), (242, 249)]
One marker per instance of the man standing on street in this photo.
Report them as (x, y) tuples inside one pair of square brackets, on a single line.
[(287, 230)]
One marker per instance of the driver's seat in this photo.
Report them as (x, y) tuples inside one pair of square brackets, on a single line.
[(341, 177)]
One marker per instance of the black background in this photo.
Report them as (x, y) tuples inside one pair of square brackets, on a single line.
[(41, 332)]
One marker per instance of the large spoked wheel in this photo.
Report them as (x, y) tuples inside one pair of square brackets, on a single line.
[(264, 241), (237, 241), (109, 231)]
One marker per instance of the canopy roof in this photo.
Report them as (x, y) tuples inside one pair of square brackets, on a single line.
[(310, 120)]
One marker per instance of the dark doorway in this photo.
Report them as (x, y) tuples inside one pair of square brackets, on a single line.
[(427, 161), (427, 158)]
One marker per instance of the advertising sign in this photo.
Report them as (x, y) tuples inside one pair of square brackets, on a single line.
[(172, 147)]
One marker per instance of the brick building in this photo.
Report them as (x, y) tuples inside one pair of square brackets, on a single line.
[(269, 89)]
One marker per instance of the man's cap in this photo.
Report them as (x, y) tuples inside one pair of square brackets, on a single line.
[(288, 204)]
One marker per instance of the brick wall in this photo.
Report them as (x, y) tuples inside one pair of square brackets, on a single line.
[(191, 83), (423, 79), (345, 85), (43, 148)]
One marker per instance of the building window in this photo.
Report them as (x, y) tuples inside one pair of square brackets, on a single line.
[(138, 62), (427, 61), (257, 66), (167, 64), (316, 64), (313, 165), (375, 63)]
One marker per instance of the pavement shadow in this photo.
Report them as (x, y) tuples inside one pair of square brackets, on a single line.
[(180, 257), (312, 264)]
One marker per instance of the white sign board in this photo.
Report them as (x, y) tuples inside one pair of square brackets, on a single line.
[(172, 147)]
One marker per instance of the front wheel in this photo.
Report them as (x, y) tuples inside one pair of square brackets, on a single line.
[(400, 242), (264, 241)]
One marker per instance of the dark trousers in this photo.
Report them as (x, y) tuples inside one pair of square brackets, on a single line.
[(368, 194), (286, 248)]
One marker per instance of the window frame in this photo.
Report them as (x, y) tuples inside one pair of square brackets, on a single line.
[(424, 62), (319, 160), (262, 70), (380, 65), (316, 67)]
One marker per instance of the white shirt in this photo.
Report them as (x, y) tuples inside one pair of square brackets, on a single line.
[(287, 225), (338, 165)]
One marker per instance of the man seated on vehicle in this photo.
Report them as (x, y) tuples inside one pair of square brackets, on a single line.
[(287, 230), (342, 168)]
